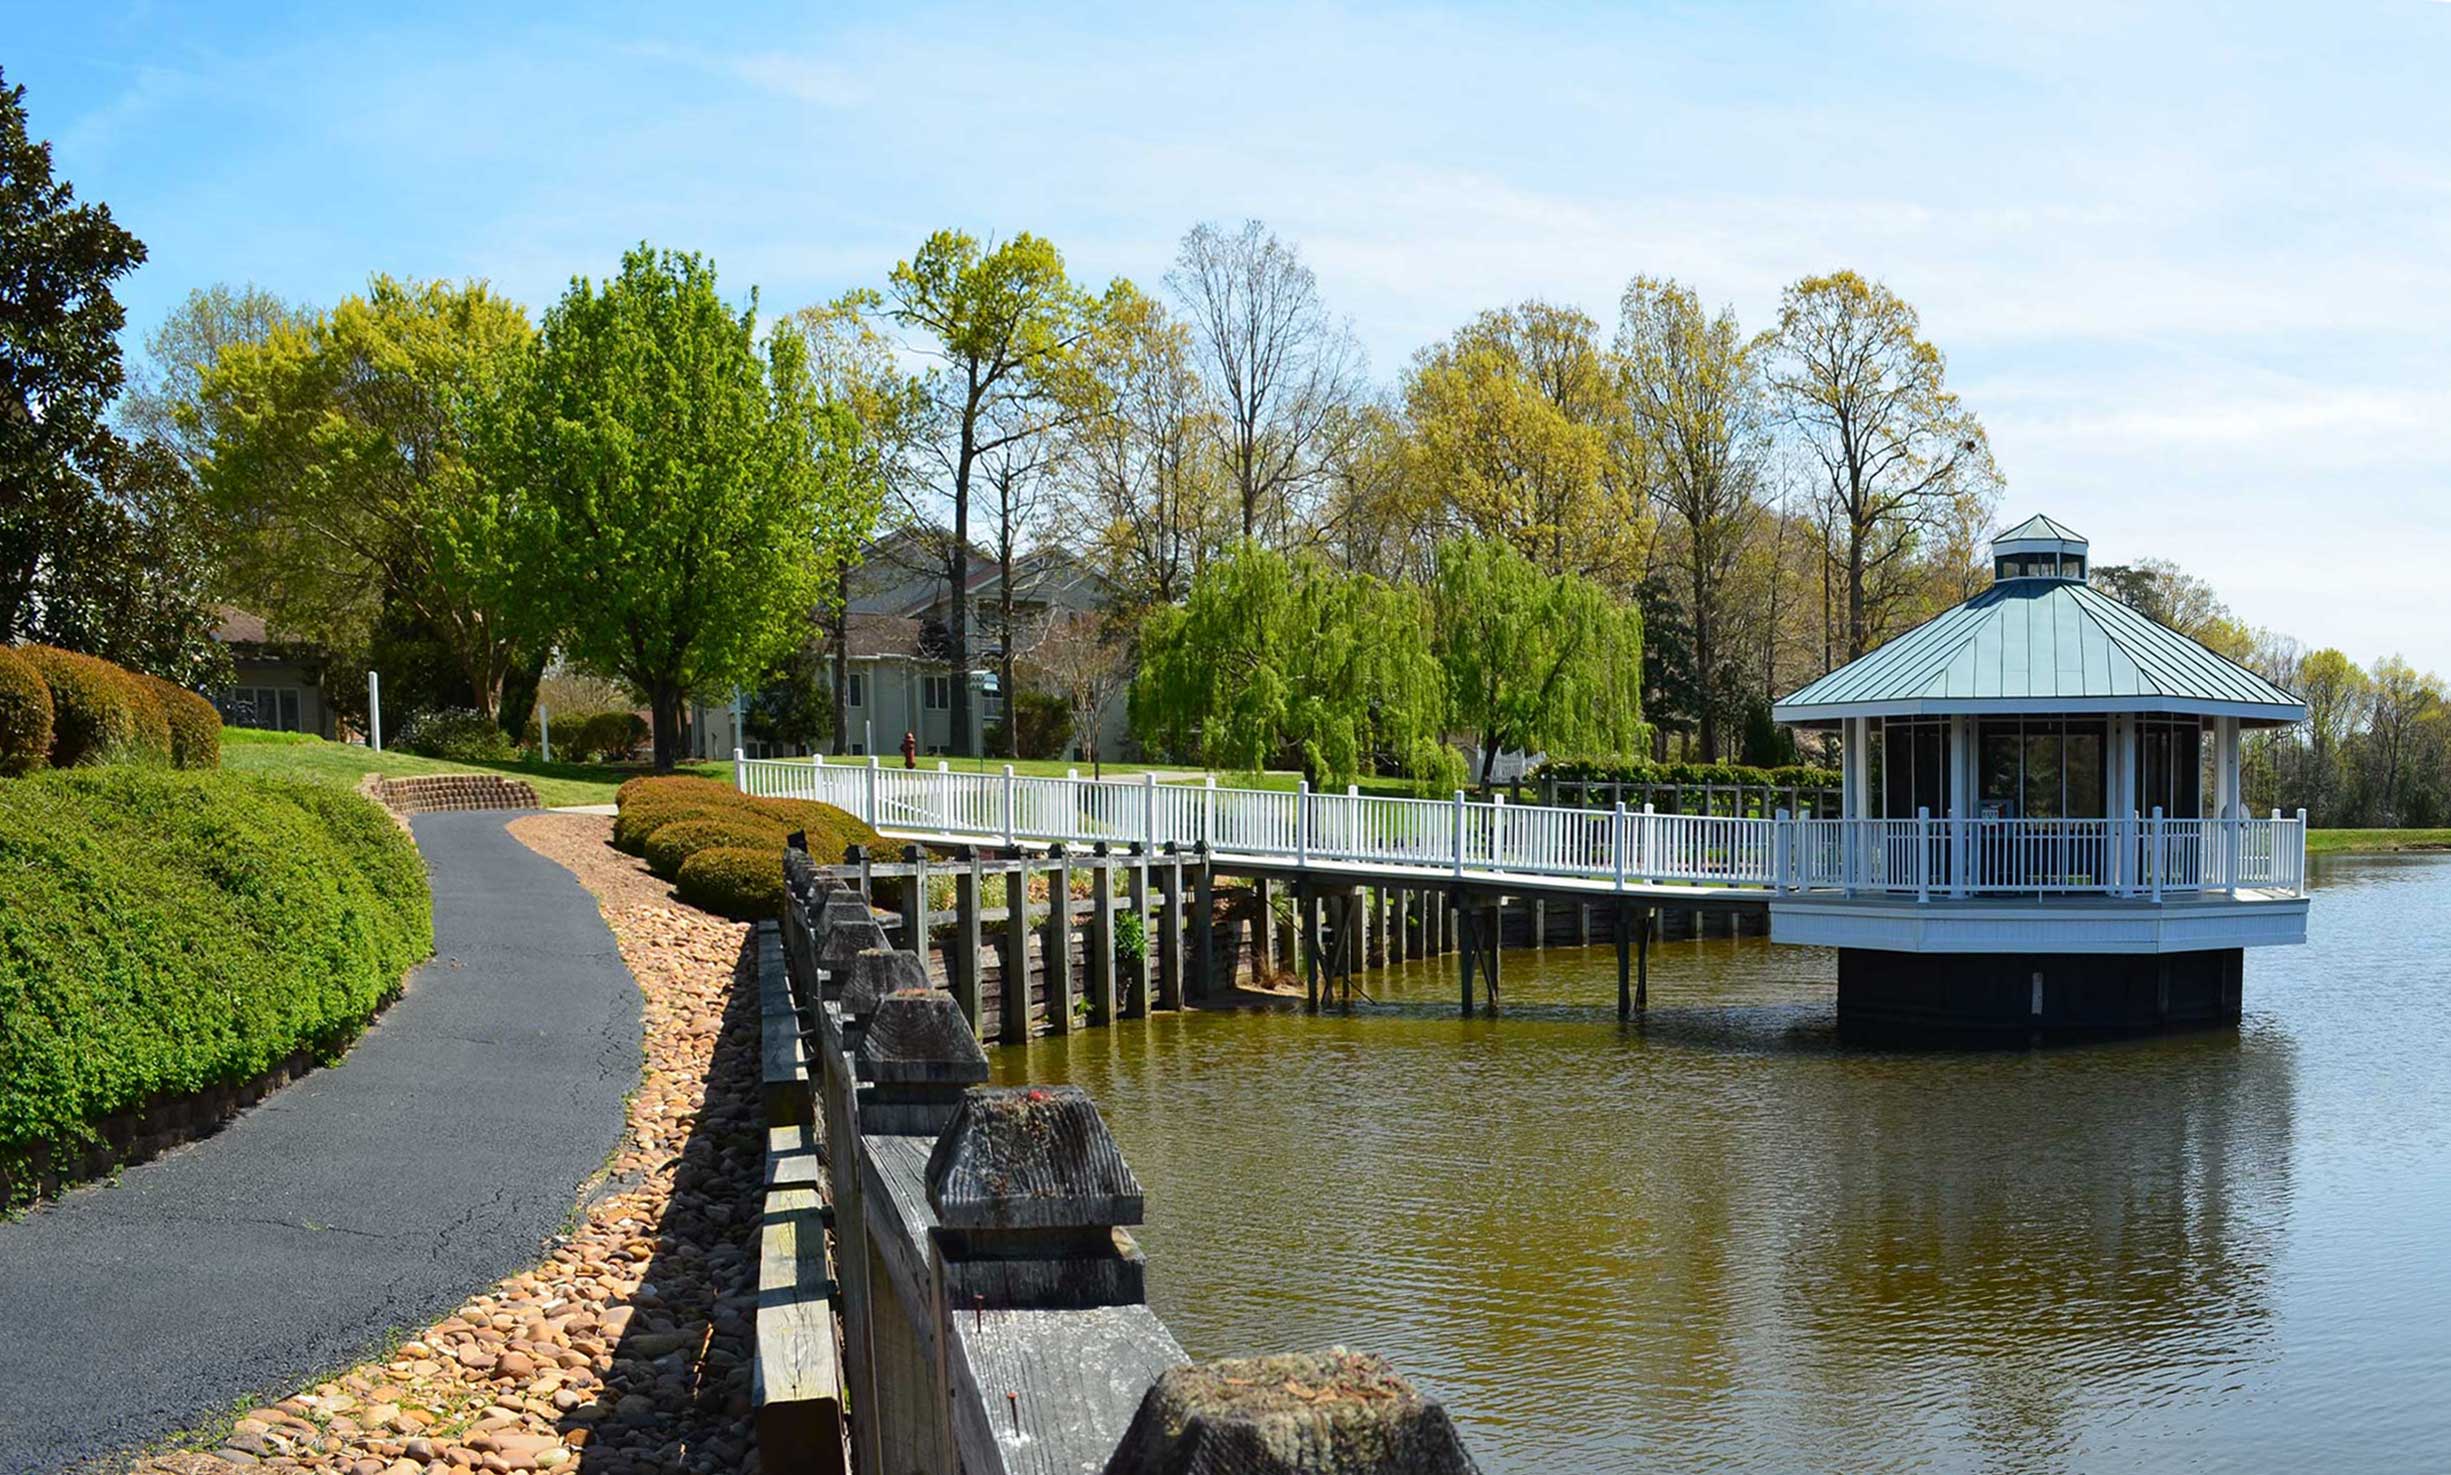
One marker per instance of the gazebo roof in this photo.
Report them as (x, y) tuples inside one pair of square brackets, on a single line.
[(2041, 646), (2040, 529)]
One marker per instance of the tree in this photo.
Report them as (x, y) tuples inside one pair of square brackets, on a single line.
[(680, 488), (184, 347), (1282, 659), (1517, 430), (2335, 691), (1083, 661), (99, 551), (1019, 473), (1699, 417), (360, 460), (1143, 489), (2399, 699), (1003, 324), (855, 368), (1869, 399), (1533, 659), (2160, 590), (1280, 368)]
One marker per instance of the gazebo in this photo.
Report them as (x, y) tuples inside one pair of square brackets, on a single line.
[(2042, 820)]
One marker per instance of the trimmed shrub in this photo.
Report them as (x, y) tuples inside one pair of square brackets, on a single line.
[(830, 830), (195, 726), (152, 719), (167, 933), (745, 884), (456, 735), (673, 843), (25, 715), (1642, 771), (610, 735), (93, 707), (637, 822), (659, 788)]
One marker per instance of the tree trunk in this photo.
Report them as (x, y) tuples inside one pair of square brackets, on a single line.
[(1004, 623), (1708, 715), (842, 660), (1855, 593), (664, 703)]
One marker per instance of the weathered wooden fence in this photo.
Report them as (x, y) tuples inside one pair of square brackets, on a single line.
[(983, 1280)]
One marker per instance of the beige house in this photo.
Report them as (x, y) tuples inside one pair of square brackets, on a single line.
[(278, 683)]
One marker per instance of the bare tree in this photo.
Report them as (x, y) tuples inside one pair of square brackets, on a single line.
[(1084, 660), (1019, 471), (1280, 367), (1896, 450)]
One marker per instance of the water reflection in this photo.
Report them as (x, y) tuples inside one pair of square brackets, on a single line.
[(1720, 1239)]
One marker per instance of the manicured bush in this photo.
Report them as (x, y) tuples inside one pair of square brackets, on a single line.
[(167, 932), (195, 726), (636, 822), (458, 735), (743, 883), (610, 735), (830, 830), (93, 708), (25, 715), (676, 842), (152, 720), (683, 786)]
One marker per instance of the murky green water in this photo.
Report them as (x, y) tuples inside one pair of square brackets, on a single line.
[(1721, 1241)]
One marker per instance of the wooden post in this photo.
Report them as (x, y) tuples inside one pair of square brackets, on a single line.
[(1135, 1002), (1263, 931), (1013, 1011), (1203, 928), (858, 855), (1055, 948), (1496, 944), (1642, 966), (915, 929), (1170, 929), (1470, 952), (962, 951), (1399, 941), (1102, 938), (1625, 962), (1540, 922), (1349, 1413), (1310, 939)]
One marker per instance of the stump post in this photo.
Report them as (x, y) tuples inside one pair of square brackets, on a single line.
[(915, 928), (962, 949), (1204, 927), (1102, 937), (1135, 1002), (1055, 948), (1263, 931), (1013, 1009), (1170, 930)]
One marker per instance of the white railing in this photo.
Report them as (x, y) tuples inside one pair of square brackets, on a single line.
[(2140, 856)]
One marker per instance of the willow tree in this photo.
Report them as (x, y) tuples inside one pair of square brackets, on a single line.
[(1283, 660), (1531, 659), (681, 484)]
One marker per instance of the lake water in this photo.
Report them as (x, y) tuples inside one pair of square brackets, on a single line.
[(1721, 1241)]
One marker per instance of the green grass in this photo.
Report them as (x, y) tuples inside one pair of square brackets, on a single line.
[(2370, 842), (342, 765)]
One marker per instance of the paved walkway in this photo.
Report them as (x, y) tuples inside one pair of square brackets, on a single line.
[(368, 1198)]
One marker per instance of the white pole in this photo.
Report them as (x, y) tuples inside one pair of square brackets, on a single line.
[(1008, 811), (871, 815), (740, 770), (1148, 810), (1302, 809), (944, 796), (1459, 831), (1208, 811), (1616, 839), (1923, 852), (2154, 853), (1781, 847), (374, 711), (544, 732)]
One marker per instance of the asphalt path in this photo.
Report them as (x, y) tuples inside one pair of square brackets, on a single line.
[(367, 1199)]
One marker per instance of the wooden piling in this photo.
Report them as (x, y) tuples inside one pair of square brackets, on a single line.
[(1625, 962), (1309, 900), (1263, 930), (1102, 938), (1055, 949), (1170, 929), (1013, 1011), (1471, 956), (1203, 930), (915, 929), (1134, 1003), (962, 949)]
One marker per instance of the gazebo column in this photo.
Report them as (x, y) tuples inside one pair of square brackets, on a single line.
[(1855, 739), (1961, 798), (2119, 795)]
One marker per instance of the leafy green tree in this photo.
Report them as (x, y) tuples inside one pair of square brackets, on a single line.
[(1893, 450), (1281, 659), (1534, 660), (99, 552), (1695, 393), (1003, 324), (355, 462), (681, 486), (181, 349)]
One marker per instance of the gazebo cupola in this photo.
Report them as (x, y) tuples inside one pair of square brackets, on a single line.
[(2042, 746)]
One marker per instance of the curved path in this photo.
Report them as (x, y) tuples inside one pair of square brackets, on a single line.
[(368, 1198)]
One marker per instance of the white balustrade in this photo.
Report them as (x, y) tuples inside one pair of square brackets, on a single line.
[(1924, 857)]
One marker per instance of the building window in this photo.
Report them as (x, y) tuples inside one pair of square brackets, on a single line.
[(272, 707), (855, 689), (936, 693)]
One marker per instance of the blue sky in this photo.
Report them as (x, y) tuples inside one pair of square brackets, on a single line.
[(2192, 265)]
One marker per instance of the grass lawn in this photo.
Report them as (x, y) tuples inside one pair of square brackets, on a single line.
[(2362, 842), (293, 755)]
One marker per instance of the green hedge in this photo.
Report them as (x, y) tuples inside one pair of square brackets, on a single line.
[(168, 932), (675, 843), (742, 883), (95, 716), (25, 715), (1799, 776), (722, 849)]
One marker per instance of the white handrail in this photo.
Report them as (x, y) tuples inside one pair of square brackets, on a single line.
[(1925, 858)]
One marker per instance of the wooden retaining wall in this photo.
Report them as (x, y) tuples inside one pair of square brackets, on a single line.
[(948, 1281)]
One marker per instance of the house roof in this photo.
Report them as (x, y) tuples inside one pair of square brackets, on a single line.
[(2041, 645), (875, 636), (2040, 529)]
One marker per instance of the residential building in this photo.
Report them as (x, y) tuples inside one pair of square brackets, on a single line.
[(278, 682)]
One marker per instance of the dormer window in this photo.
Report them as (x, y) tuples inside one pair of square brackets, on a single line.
[(2038, 548)]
